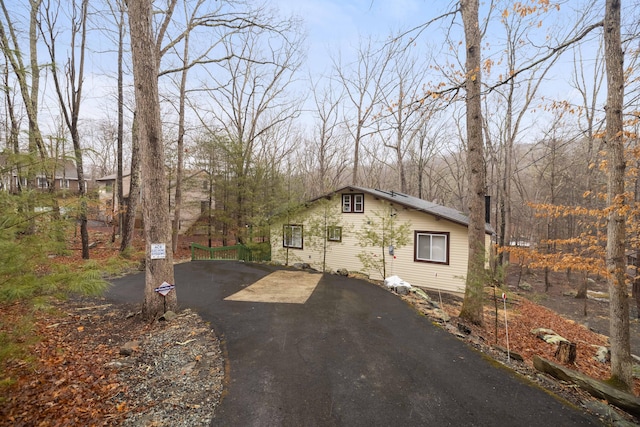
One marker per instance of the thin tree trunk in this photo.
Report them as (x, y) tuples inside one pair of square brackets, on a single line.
[(209, 203), (120, 142), (75, 135), (621, 365), (82, 216), (582, 287), (636, 292), (128, 229), (180, 148), (71, 102)]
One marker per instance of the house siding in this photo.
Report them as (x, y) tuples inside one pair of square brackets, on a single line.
[(447, 277), (193, 195)]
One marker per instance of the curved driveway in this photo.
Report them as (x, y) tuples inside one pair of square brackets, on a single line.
[(352, 355)]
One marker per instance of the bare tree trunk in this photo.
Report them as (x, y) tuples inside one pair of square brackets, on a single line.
[(582, 287), (76, 98), (12, 51), (13, 141), (129, 226), (180, 148), (621, 363), (636, 292), (35, 138), (70, 101), (209, 204), (155, 207), (472, 307), (547, 282), (120, 143)]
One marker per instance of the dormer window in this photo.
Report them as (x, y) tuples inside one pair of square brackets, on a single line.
[(353, 203)]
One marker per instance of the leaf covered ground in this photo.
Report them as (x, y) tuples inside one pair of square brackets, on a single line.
[(522, 317), (65, 380), (77, 375)]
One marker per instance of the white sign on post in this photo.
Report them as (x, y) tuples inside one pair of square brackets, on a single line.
[(158, 251), (164, 289)]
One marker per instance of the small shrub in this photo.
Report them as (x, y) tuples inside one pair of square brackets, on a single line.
[(260, 251)]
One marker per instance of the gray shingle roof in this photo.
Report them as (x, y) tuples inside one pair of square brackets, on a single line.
[(113, 176), (421, 205), (65, 168)]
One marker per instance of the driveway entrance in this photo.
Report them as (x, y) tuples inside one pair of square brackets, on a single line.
[(343, 352)]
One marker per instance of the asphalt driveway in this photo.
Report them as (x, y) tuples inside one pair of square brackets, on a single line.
[(352, 354)]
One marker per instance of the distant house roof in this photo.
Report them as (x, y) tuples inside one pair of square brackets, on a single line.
[(411, 202), (69, 171), (64, 168), (112, 177), (188, 174)]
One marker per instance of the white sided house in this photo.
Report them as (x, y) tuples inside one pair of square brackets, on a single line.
[(380, 234)]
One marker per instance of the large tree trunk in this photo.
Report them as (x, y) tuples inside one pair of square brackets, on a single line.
[(621, 365), (472, 307), (155, 206)]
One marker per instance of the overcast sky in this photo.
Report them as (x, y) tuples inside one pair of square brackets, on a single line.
[(338, 24)]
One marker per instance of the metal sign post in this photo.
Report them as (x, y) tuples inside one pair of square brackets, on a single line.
[(506, 325)]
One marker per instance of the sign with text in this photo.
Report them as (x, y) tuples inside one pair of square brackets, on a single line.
[(158, 251)]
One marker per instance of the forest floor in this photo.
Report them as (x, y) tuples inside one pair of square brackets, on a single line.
[(560, 297), (74, 373)]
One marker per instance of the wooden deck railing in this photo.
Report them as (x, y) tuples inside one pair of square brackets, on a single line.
[(230, 253)]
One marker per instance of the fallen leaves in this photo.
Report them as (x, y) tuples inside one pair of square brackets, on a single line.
[(67, 378), (79, 377), (526, 316), (67, 383)]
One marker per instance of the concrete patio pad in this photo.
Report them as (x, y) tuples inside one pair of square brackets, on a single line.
[(294, 287)]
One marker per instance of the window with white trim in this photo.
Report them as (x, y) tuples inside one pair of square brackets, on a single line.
[(353, 203), (292, 236), (334, 234), (42, 182), (432, 247), (64, 183), (20, 182)]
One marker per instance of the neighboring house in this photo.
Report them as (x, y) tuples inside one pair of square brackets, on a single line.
[(108, 195), (65, 178), (195, 197), (378, 233)]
